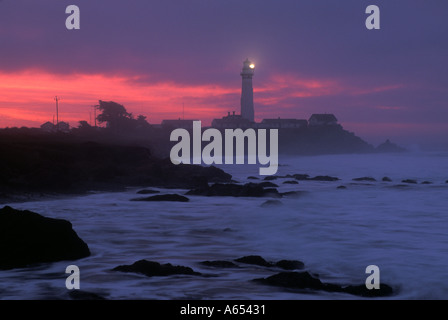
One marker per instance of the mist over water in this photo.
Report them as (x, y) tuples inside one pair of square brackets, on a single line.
[(337, 233)]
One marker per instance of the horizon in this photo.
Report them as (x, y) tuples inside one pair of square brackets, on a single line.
[(310, 58)]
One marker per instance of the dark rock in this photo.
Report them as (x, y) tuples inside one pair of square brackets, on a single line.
[(324, 178), (271, 203), (267, 184), (290, 264), (147, 191), (426, 182), (446, 181), (290, 182), (253, 178), (255, 260), (219, 264), (164, 197), (361, 290), (270, 178), (365, 179), (409, 181), (294, 280), (300, 176), (386, 179), (306, 281), (235, 190), (152, 269), (28, 238), (389, 147), (341, 187)]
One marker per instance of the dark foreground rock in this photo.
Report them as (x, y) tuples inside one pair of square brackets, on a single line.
[(147, 191), (409, 181), (260, 261), (164, 197), (235, 190), (386, 179), (219, 264), (306, 281), (323, 178), (365, 179), (152, 269), (27, 238)]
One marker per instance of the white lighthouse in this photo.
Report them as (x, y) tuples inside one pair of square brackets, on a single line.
[(247, 92)]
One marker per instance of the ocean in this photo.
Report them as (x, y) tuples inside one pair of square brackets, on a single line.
[(336, 232)]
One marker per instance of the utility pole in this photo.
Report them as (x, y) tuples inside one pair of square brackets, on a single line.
[(94, 112), (57, 112)]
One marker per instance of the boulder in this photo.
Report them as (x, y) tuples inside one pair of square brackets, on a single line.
[(147, 191), (290, 264), (323, 178), (235, 190), (28, 238), (388, 146), (299, 176), (260, 261), (409, 181), (365, 179), (219, 264), (164, 197), (386, 179), (306, 281), (290, 182), (341, 187), (152, 269), (255, 260)]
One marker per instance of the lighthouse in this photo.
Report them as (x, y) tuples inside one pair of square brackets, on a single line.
[(247, 92)]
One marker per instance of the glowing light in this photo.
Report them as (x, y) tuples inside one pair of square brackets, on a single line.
[(252, 66)]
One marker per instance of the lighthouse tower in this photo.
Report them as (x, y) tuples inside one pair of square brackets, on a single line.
[(247, 92)]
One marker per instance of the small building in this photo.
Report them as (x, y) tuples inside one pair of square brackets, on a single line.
[(51, 127), (283, 123), (63, 127), (179, 123), (232, 121), (48, 127), (322, 120)]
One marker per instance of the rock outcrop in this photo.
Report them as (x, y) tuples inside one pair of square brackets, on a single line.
[(27, 238), (152, 269)]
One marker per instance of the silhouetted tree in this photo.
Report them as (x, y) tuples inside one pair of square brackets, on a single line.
[(118, 120), (84, 125)]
